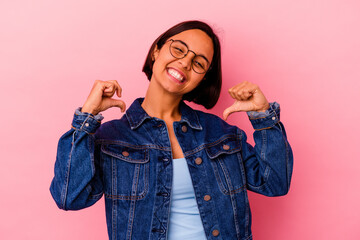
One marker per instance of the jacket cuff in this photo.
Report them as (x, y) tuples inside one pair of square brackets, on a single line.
[(267, 119), (86, 121)]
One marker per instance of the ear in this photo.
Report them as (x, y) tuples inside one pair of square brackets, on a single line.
[(155, 53)]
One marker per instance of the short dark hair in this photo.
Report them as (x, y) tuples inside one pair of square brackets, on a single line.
[(208, 91)]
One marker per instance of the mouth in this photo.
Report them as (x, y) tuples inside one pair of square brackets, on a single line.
[(177, 75)]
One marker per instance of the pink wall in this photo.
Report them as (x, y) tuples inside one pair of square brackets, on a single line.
[(303, 54)]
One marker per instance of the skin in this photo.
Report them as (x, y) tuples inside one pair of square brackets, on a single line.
[(165, 93)]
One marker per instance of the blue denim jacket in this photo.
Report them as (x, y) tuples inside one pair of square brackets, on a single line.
[(129, 161)]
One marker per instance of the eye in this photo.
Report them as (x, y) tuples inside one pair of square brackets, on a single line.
[(198, 64), (179, 50)]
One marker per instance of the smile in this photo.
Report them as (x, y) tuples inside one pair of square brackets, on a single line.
[(178, 76)]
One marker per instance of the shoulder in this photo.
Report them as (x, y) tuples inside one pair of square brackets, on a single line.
[(212, 122), (110, 129)]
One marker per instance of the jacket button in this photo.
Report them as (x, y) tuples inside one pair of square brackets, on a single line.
[(86, 124), (125, 153), (215, 233), (226, 147), (164, 194), (198, 161), (158, 230), (207, 197), (184, 128)]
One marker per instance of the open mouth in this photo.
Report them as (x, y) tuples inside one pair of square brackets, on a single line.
[(178, 76)]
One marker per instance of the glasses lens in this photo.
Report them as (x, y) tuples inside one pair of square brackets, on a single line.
[(199, 64), (178, 49)]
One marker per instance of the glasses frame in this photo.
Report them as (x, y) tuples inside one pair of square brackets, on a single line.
[(188, 50)]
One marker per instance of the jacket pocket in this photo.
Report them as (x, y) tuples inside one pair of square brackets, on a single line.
[(125, 171), (225, 158)]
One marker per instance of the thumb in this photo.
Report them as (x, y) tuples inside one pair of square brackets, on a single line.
[(237, 106), (228, 111), (118, 103)]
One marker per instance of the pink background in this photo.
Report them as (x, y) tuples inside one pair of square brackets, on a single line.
[(303, 54)]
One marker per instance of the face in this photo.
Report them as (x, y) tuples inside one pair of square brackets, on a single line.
[(177, 76)]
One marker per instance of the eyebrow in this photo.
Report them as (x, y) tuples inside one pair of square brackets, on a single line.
[(200, 55)]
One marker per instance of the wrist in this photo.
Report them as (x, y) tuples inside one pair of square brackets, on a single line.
[(273, 107), (264, 109), (86, 109), (98, 117)]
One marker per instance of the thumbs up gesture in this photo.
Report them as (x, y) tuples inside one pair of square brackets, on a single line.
[(248, 97)]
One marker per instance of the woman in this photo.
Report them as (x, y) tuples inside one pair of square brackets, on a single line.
[(168, 171)]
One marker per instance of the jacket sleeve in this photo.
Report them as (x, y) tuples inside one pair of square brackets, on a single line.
[(77, 180), (269, 164)]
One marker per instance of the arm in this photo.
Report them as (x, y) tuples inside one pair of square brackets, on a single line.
[(77, 181), (268, 165)]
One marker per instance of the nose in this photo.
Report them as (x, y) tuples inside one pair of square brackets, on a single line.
[(186, 61)]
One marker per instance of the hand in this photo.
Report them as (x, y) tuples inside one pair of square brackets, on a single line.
[(248, 97), (100, 97)]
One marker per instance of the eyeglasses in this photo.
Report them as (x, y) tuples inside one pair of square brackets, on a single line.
[(179, 50)]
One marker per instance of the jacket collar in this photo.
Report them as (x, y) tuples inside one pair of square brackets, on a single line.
[(136, 115)]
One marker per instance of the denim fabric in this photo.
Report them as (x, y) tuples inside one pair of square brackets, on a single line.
[(129, 161)]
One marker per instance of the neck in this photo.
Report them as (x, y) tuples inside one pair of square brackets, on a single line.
[(161, 104)]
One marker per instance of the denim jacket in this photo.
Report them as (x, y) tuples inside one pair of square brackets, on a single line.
[(129, 161)]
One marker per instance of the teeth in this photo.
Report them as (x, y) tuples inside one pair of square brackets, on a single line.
[(176, 75)]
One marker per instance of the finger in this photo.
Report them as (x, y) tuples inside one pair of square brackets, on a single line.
[(108, 93), (118, 89), (227, 112), (109, 89), (245, 92), (239, 94), (237, 91), (232, 94), (98, 88), (118, 103)]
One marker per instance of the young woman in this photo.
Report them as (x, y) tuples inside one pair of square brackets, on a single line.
[(168, 171)]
